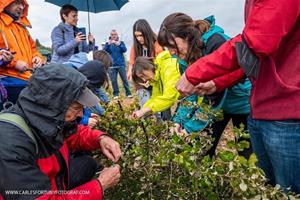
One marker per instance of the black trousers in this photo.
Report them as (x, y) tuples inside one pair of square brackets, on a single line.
[(218, 127), (82, 168)]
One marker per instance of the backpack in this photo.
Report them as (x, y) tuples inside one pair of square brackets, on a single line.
[(19, 122)]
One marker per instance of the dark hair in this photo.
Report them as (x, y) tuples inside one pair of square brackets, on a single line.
[(141, 64), (66, 9), (150, 38), (104, 57), (183, 26)]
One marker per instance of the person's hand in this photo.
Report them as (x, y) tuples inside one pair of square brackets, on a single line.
[(37, 62), (94, 115), (176, 128), (21, 65), (92, 122), (110, 148), (91, 38), (184, 87), (140, 113), (129, 74), (117, 43), (80, 37), (206, 88), (6, 56), (109, 177)]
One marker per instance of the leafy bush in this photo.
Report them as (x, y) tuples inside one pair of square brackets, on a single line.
[(157, 164)]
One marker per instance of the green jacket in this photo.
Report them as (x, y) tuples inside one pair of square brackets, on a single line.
[(164, 93)]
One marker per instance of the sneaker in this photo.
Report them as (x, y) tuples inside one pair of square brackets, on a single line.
[(116, 97), (129, 96)]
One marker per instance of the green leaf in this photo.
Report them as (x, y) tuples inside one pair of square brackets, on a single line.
[(226, 156)]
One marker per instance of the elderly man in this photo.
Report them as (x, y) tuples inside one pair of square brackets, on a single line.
[(41, 130), (15, 37)]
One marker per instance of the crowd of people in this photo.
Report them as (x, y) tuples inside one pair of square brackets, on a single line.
[(50, 110)]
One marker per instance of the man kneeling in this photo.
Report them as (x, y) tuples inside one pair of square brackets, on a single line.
[(34, 155)]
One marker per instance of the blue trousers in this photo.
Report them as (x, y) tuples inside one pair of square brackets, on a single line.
[(113, 74), (277, 147)]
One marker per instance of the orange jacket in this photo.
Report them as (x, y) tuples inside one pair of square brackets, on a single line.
[(15, 36), (157, 49)]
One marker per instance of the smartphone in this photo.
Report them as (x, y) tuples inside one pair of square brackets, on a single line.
[(82, 30)]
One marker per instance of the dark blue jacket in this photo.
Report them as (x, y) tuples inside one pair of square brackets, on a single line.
[(116, 53)]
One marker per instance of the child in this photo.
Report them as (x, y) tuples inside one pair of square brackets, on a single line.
[(162, 75), (95, 72)]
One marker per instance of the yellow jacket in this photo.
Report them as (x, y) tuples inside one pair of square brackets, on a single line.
[(15, 36), (164, 93)]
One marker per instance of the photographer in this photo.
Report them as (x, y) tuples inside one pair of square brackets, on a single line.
[(67, 39), (116, 49)]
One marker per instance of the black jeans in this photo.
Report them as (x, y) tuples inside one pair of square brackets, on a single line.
[(82, 168), (218, 127)]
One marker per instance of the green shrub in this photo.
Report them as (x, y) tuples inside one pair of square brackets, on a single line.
[(157, 164)]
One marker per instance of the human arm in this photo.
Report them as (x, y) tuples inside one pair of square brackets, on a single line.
[(261, 36), (106, 47), (131, 62), (87, 139), (37, 59), (168, 76), (21, 171), (5, 57), (59, 45), (122, 47), (87, 47)]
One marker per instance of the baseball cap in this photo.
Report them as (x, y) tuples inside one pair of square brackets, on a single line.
[(88, 98)]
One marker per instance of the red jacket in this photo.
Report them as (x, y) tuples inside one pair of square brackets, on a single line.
[(272, 31), (40, 174)]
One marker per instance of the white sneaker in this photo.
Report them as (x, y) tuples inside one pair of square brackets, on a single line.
[(129, 96), (116, 97)]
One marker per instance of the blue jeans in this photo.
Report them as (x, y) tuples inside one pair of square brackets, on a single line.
[(14, 86), (113, 74), (277, 147), (144, 96), (102, 95)]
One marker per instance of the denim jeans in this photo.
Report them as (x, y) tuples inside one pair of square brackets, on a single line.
[(113, 74), (144, 96), (277, 147), (14, 87), (102, 95)]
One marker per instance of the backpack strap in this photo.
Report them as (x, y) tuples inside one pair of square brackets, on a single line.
[(63, 31), (19, 122)]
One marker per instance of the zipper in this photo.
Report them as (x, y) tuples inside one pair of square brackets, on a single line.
[(61, 179)]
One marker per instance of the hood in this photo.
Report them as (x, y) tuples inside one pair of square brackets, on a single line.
[(77, 60), (95, 72), (44, 102), (23, 20), (213, 29)]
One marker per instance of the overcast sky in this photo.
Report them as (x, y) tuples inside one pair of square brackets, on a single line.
[(228, 13)]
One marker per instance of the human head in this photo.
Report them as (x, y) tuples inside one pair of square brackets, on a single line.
[(95, 72), (69, 14), (114, 35), (50, 92), (104, 57), (143, 37), (16, 8), (179, 27), (143, 70)]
